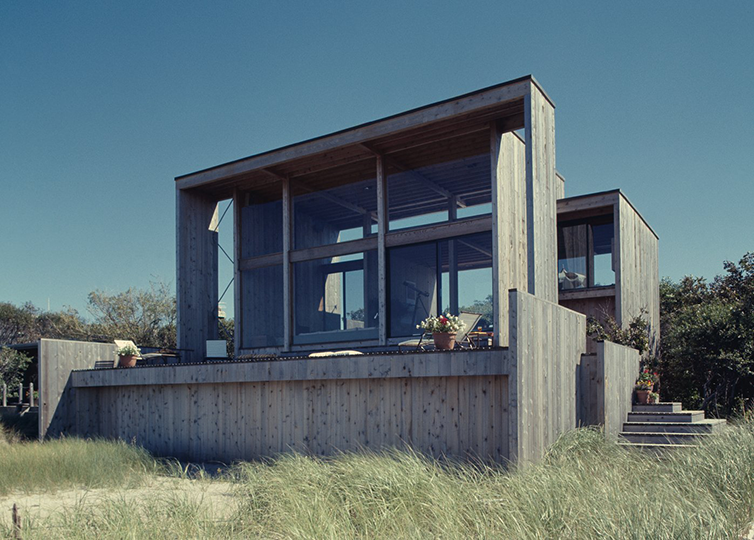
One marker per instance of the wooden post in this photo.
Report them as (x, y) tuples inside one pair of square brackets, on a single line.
[(382, 227), (452, 262), (5, 395), (287, 268), (20, 393), (31, 394), (16, 522)]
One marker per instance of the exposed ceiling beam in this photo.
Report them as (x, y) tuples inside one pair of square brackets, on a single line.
[(327, 196), (429, 184), (476, 248)]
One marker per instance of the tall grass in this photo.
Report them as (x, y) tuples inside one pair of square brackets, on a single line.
[(586, 487), (65, 463)]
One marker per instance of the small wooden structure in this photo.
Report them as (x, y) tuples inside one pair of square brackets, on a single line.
[(347, 241)]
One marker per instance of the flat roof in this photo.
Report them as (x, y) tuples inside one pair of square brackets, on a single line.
[(437, 121), (599, 197)]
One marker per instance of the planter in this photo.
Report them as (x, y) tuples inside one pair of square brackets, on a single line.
[(127, 361), (444, 341), (642, 397)]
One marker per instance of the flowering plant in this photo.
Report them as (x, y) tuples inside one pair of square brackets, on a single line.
[(128, 350), (646, 380), (443, 324)]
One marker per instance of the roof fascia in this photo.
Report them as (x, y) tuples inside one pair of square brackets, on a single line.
[(443, 110)]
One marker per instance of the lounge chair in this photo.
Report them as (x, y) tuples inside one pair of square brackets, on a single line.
[(335, 353), (462, 338)]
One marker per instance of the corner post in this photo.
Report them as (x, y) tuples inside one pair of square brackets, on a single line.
[(196, 269)]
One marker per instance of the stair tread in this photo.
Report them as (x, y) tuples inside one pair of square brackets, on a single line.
[(659, 413), (663, 433), (706, 421), (658, 445)]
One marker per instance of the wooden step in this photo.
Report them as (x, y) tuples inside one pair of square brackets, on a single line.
[(703, 426), (669, 406), (662, 437), (684, 416), (655, 448)]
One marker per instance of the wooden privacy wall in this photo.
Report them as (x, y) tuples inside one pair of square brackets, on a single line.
[(196, 265), (638, 277), (509, 229), (546, 344), (606, 386), (57, 358), (439, 404)]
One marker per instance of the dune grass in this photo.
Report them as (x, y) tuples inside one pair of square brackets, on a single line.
[(66, 463), (586, 487)]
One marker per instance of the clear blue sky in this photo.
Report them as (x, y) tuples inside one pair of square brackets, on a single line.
[(102, 104)]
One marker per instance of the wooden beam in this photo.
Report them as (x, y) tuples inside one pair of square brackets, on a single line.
[(452, 260), (476, 248), (261, 261), (439, 231), (334, 199), (334, 250)]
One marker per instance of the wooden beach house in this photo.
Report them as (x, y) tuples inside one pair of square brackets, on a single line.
[(347, 241)]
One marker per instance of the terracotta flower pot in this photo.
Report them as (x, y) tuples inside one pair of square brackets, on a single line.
[(642, 397), (444, 340), (127, 361)]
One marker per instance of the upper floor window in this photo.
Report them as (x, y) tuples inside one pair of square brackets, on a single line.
[(585, 253)]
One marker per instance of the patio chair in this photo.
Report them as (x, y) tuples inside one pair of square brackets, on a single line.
[(462, 338)]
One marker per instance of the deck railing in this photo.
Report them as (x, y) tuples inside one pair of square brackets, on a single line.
[(20, 397)]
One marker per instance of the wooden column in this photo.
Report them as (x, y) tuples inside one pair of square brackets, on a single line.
[(287, 269), (541, 195), (238, 203), (196, 269), (509, 225), (382, 226), (452, 261)]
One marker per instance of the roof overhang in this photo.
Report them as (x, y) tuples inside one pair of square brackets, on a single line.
[(466, 114)]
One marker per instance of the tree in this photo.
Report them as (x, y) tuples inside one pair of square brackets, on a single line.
[(17, 324), (707, 347), (147, 317), (13, 364)]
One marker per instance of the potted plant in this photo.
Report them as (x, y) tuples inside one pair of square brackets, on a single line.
[(644, 385), (127, 356), (443, 329), (654, 397)]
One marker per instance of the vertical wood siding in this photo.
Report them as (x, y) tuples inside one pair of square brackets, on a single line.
[(196, 266), (638, 276), (606, 385), (547, 341), (57, 358)]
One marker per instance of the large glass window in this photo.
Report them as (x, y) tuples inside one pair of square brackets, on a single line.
[(262, 210), (585, 254), (429, 183), (336, 205), (262, 317), (449, 275), (336, 298)]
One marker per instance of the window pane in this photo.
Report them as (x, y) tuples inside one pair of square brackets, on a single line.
[(421, 181), (413, 287), (572, 253), (461, 266), (262, 319), (336, 299), (602, 242), (335, 206), (262, 222)]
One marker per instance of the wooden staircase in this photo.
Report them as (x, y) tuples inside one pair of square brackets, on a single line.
[(666, 425)]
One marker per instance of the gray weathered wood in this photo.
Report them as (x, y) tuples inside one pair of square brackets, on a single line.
[(196, 267)]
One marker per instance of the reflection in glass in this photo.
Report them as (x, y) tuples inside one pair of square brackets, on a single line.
[(572, 257), (264, 212), (262, 293), (335, 295), (602, 246), (449, 275)]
